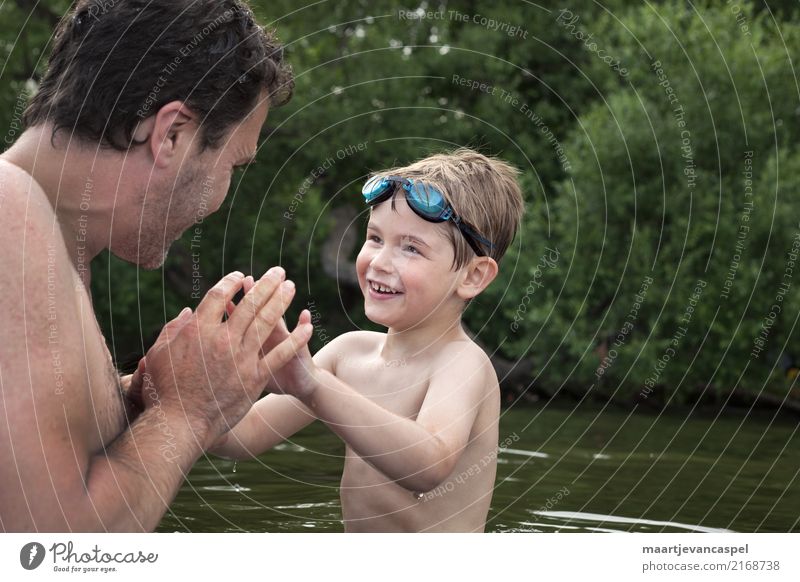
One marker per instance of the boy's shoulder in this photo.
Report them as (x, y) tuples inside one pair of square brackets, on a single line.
[(463, 348), (463, 375), (357, 340), (344, 346), (466, 356)]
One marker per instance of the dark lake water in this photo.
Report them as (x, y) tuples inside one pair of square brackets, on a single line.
[(590, 470)]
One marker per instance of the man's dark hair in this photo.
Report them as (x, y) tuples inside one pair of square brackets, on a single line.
[(116, 62)]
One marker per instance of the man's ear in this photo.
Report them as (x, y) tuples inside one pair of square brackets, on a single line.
[(479, 273), (168, 133)]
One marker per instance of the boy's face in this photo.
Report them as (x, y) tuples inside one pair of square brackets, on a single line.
[(405, 268)]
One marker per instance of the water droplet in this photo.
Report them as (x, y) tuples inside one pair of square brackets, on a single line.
[(234, 466)]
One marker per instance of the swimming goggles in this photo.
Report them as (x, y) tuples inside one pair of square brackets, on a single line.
[(426, 201)]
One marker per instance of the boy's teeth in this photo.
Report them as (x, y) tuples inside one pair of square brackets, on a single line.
[(382, 289)]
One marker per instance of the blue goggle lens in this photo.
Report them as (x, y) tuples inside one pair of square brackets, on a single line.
[(374, 188), (425, 200), (428, 200)]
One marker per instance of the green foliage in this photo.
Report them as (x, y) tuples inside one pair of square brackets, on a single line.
[(608, 186), (658, 190)]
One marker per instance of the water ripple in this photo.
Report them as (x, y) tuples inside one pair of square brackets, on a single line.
[(599, 518)]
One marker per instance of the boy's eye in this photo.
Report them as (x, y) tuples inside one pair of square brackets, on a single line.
[(412, 249), (374, 238)]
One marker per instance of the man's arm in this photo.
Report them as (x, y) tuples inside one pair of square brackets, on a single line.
[(417, 454)]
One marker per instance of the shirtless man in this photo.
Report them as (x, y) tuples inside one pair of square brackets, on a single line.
[(145, 105)]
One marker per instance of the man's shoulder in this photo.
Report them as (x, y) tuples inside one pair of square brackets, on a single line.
[(14, 179), (30, 234), (39, 279), (24, 206)]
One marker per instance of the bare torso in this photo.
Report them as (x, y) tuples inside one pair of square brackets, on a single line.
[(58, 379), (100, 377), (370, 501)]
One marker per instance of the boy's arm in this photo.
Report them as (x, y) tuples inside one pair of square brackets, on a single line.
[(417, 454), (270, 421)]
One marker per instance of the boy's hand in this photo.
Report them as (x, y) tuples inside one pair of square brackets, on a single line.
[(299, 376)]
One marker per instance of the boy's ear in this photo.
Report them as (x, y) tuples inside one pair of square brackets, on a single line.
[(168, 133), (479, 273)]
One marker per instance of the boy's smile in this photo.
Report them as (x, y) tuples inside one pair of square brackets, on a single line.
[(381, 291), (405, 267)]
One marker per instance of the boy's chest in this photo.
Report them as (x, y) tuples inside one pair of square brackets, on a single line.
[(398, 386)]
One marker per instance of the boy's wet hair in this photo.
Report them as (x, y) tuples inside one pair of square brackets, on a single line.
[(115, 63), (482, 190)]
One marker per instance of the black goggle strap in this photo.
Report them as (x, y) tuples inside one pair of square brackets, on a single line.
[(471, 232), (473, 238)]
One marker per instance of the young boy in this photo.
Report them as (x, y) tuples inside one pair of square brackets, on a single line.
[(417, 406)]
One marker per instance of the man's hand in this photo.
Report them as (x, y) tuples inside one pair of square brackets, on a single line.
[(212, 371)]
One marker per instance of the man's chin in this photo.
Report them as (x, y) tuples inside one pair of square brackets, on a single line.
[(156, 258), (154, 264), (148, 259)]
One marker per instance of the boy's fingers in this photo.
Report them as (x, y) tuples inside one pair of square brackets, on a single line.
[(269, 316), (214, 304), (279, 333), (251, 305), (282, 354), (305, 319)]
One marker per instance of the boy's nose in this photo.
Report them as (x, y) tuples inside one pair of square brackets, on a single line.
[(382, 260)]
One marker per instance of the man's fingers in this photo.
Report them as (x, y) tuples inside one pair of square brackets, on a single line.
[(248, 284), (134, 393), (213, 305), (268, 317), (250, 305), (141, 368), (172, 327), (282, 354)]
